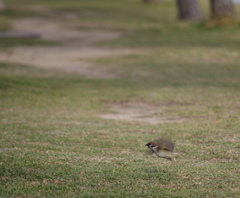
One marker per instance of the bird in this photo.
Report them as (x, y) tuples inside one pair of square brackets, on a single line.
[(163, 148)]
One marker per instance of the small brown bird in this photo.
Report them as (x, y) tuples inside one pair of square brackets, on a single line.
[(163, 148)]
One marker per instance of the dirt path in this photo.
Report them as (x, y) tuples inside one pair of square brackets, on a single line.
[(75, 46)]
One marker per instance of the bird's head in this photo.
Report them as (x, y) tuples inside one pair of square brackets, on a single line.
[(151, 144)]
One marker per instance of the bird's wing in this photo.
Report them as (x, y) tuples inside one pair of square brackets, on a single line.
[(165, 144)]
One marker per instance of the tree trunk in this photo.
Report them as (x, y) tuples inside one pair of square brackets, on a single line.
[(2, 6), (222, 8), (189, 10)]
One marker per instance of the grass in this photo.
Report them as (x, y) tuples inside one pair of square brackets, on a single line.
[(54, 144), (4, 23)]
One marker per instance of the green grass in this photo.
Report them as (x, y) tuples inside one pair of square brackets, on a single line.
[(54, 144), (4, 23)]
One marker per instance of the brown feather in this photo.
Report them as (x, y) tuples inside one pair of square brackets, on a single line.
[(165, 144)]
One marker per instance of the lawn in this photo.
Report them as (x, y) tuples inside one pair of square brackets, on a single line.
[(56, 142)]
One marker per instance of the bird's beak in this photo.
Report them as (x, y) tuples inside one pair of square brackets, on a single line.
[(146, 144)]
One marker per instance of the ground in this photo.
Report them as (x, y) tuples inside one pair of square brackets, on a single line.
[(70, 55), (78, 105), (74, 45)]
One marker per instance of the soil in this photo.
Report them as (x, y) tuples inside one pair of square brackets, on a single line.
[(74, 46)]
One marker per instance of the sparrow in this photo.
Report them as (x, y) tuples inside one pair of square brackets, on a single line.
[(163, 148)]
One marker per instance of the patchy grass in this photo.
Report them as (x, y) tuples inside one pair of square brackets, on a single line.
[(4, 23), (12, 13), (54, 143)]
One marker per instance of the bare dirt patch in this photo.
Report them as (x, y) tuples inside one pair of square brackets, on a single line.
[(71, 53), (63, 32), (139, 112)]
